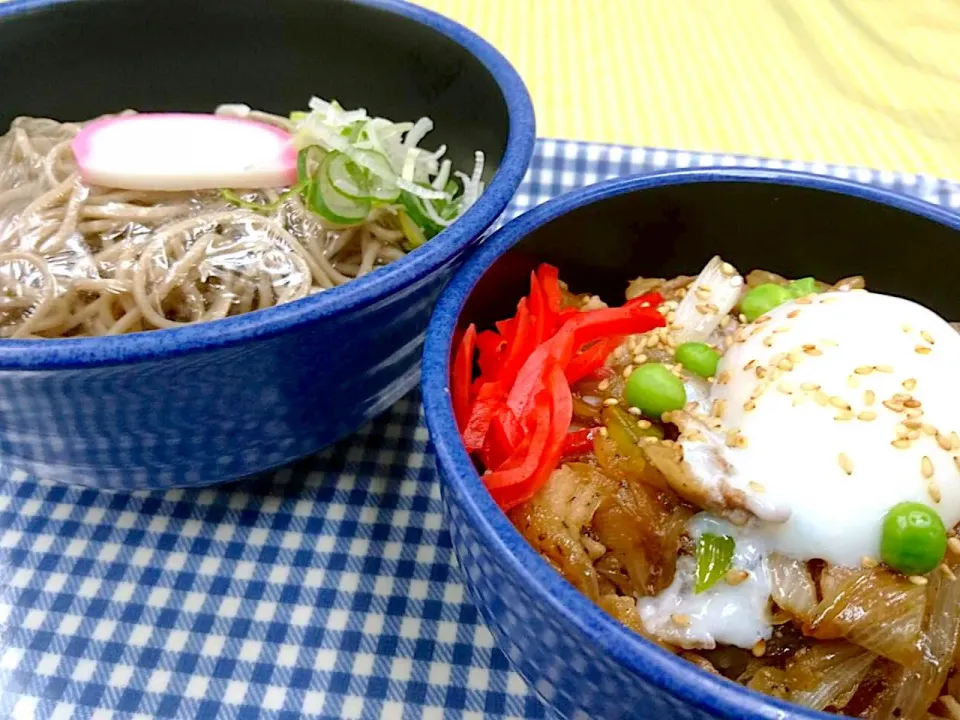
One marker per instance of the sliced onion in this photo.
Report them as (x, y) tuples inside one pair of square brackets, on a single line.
[(827, 674), (916, 688), (791, 585), (700, 314)]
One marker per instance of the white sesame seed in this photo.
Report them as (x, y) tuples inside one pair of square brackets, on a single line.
[(792, 314), (901, 444), (909, 384), (839, 402), (603, 385), (610, 402), (927, 337), (846, 464), (945, 569), (922, 350), (809, 387), (869, 396), (918, 580), (883, 368), (868, 562), (867, 416), (735, 577), (727, 269), (759, 649), (863, 370), (844, 415), (756, 487), (926, 467), (680, 619), (644, 424), (634, 410), (954, 545), (933, 490), (603, 431)]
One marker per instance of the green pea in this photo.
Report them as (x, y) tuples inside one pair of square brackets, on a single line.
[(914, 539), (697, 357), (802, 287), (762, 299), (655, 390)]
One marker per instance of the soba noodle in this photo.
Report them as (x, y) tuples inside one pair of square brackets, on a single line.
[(78, 260)]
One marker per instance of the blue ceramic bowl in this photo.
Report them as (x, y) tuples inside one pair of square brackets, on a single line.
[(225, 399), (578, 659)]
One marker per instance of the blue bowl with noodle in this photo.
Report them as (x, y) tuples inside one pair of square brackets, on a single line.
[(213, 401), (580, 660)]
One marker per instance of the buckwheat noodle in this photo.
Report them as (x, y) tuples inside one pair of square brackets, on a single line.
[(78, 260)]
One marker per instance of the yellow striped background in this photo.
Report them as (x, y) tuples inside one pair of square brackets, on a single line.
[(860, 82)]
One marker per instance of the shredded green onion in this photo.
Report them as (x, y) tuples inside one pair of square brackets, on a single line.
[(714, 558)]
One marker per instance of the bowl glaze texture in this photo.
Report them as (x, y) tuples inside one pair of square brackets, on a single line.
[(221, 400), (578, 659)]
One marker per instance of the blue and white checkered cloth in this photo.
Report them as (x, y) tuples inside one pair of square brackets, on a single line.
[(326, 590)]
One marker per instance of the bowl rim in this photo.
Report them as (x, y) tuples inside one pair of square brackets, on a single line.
[(682, 679), (59, 353)]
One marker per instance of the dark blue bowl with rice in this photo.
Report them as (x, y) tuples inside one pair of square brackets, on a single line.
[(551, 571), (199, 402)]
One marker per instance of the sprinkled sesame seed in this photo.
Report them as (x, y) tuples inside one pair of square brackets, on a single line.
[(610, 402), (603, 385), (644, 424), (852, 382), (839, 402), (914, 413), (786, 365), (901, 444), (727, 269), (867, 416), (883, 368), (863, 370), (821, 398), (761, 372), (735, 577), (812, 351), (768, 342), (912, 403), (892, 405), (954, 441), (749, 405), (926, 467), (756, 487), (945, 569), (749, 365), (928, 429), (954, 545), (922, 350), (906, 328), (680, 619), (650, 440), (868, 562), (792, 314), (909, 384), (634, 410), (829, 343), (944, 442), (846, 464), (762, 319), (639, 359), (785, 387), (809, 386), (718, 408), (912, 424), (869, 396), (759, 649), (918, 580), (742, 318), (927, 337), (933, 490), (703, 293), (723, 378), (780, 330), (804, 301), (844, 415), (603, 431), (627, 371), (799, 400)]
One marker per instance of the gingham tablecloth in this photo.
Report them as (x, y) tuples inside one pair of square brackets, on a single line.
[(328, 589)]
